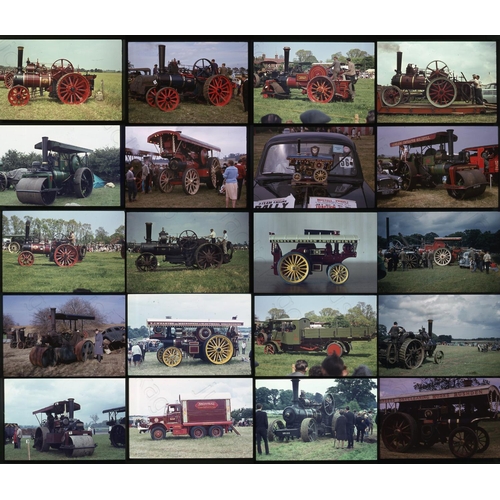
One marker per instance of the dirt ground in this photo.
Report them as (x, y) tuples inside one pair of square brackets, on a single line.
[(16, 363)]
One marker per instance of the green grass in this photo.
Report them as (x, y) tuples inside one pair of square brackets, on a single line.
[(340, 112), (441, 279), (102, 197), (229, 446), (104, 451), (280, 365), (98, 272), (233, 277), (47, 108)]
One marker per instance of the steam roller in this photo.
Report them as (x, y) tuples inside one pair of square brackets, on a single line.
[(36, 191)]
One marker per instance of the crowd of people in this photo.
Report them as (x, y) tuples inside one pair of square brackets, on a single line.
[(331, 366)]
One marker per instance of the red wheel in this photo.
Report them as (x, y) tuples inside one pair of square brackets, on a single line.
[(317, 71), (391, 96), (167, 99), (151, 96), (165, 181), (335, 348), (60, 68), (9, 79), (26, 258), (66, 255), (320, 89), (73, 88), (218, 90), (441, 92), (19, 96)]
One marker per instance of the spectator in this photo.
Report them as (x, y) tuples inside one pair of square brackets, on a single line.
[(299, 369), (333, 366)]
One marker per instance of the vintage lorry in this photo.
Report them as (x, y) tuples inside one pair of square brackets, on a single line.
[(194, 416), (297, 335)]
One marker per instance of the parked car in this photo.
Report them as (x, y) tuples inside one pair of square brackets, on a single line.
[(464, 260), (387, 184), (490, 93), (311, 170)]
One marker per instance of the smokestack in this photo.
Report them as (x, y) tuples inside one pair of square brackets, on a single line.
[(430, 321), (53, 319), (45, 150), (399, 62), (71, 408), (286, 50), (149, 229), (450, 142), (295, 389), (20, 51), (161, 58), (27, 231)]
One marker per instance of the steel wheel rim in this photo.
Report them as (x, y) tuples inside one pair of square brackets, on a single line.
[(398, 432), (65, 255), (151, 97), (463, 442), (321, 90), (338, 274), (26, 258), (218, 349), (441, 92), (391, 96), (219, 90), (191, 181), (209, 255), (442, 257), (167, 99), (19, 96), (172, 356), (165, 183), (73, 88), (293, 268), (146, 262)]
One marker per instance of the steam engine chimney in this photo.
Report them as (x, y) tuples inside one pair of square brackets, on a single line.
[(149, 229), (286, 50), (20, 51), (429, 322), (161, 58), (399, 62)]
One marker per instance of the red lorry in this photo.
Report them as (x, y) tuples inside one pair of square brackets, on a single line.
[(196, 417)]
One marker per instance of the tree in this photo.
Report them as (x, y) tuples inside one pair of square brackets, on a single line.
[(439, 383), (356, 53), (101, 235), (305, 56), (276, 313), (94, 418), (8, 322), (360, 390)]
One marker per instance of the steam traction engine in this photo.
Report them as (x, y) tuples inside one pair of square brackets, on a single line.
[(185, 249), (61, 81), (295, 266), (431, 167), (407, 349), (60, 250), (62, 172), (304, 419), (443, 416), (62, 431), (117, 426), (316, 84), (164, 89), (63, 347), (435, 84), (212, 341)]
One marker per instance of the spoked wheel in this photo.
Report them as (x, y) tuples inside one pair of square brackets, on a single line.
[(408, 174), (271, 348), (14, 247), (218, 90), (411, 354), (438, 357), (329, 404), (209, 255), (73, 88), (391, 357), (338, 274), (436, 68), (167, 99), (213, 168), (463, 442), (399, 432), (9, 79), (391, 96), (25, 258), (308, 430), (18, 95), (65, 255), (61, 67), (84, 350), (320, 89), (83, 182), (276, 425), (4, 182), (218, 349), (413, 261), (172, 356), (202, 69), (442, 257), (187, 240), (261, 339), (441, 92), (165, 181), (483, 439), (146, 262), (159, 354), (190, 181), (320, 175), (293, 268), (151, 96)]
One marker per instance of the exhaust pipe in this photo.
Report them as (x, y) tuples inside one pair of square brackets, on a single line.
[(20, 51), (161, 58), (149, 230), (286, 50)]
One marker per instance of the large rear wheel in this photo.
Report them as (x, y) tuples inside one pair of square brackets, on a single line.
[(293, 268), (399, 432)]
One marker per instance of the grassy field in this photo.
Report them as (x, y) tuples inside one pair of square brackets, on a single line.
[(102, 197), (98, 272), (188, 111), (340, 112), (280, 365), (233, 277), (461, 361), (440, 279), (191, 367), (104, 451), (457, 119), (47, 108), (229, 446)]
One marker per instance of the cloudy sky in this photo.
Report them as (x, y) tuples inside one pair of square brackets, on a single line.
[(467, 137), (441, 223), (22, 307), (219, 307), (22, 138), (227, 139), (148, 396), (235, 223), (322, 51), (462, 316), (460, 57), (88, 54), (24, 396), (297, 305), (113, 220), (309, 385), (400, 386), (145, 54)]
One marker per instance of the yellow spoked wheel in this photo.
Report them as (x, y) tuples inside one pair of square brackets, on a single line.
[(172, 356), (218, 349), (338, 274), (293, 268)]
